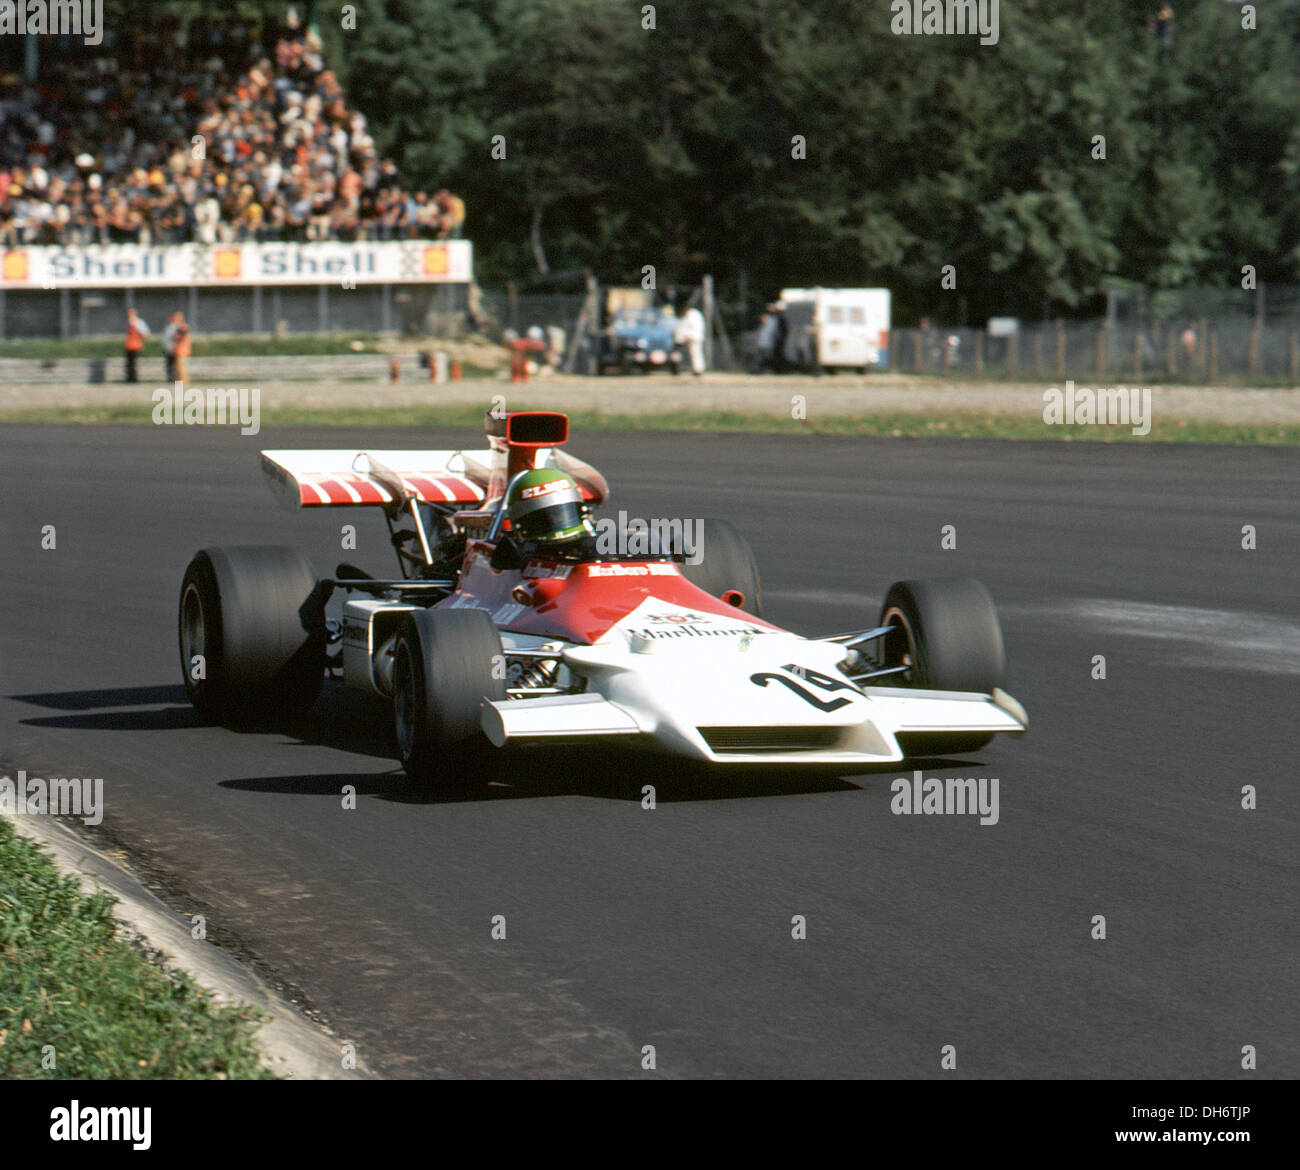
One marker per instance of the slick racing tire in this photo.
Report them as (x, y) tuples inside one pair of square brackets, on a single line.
[(252, 632), (946, 631), (443, 669), (726, 563)]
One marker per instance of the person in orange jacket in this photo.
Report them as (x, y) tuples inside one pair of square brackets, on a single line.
[(136, 331), (176, 346)]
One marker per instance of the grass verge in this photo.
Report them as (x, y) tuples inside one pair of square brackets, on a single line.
[(949, 425), (106, 1008)]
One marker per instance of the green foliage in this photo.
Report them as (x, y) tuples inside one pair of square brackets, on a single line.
[(945, 423), (629, 146), (109, 1012)]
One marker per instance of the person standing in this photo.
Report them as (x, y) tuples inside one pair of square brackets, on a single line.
[(690, 333), (182, 350), (1165, 31), (169, 346), (176, 347), (780, 362), (136, 331), (765, 340)]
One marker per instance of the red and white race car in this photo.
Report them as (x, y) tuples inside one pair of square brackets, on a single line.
[(483, 642)]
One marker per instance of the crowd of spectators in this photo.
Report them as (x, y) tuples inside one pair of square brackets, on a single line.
[(209, 132)]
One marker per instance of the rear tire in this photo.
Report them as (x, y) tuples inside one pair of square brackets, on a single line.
[(442, 671), (947, 632), (727, 562), (252, 614)]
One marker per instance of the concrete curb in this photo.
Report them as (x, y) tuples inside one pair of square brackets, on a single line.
[(291, 1046)]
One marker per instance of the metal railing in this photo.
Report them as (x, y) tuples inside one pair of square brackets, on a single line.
[(1204, 351), (416, 310)]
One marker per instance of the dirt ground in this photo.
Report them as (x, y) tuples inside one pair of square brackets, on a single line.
[(664, 394)]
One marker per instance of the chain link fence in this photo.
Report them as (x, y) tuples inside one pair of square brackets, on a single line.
[(416, 310), (517, 311), (1200, 351), (1157, 338)]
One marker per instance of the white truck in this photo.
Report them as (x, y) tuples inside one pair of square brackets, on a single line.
[(834, 328)]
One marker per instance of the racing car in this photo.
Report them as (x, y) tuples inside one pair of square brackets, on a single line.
[(511, 625)]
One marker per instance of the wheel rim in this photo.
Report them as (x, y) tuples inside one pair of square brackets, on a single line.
[(404, 702), (900, 648), (193, 632)]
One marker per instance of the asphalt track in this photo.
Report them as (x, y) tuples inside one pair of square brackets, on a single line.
[(672, 927)]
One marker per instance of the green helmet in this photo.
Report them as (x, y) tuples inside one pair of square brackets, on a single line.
[(545, 506)]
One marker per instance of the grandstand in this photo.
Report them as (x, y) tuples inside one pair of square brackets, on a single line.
[(212, 129), (197, 159)]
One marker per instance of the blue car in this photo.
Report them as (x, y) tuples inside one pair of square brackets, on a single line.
[(641, 339)]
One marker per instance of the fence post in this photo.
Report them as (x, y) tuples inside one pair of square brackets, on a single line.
[(1253, 358), (1171, 354), (1204, 334), (979, 351), (1137, 355), (1103, 344), (1038, 354), (918, 361), (1212, 358), (1012, 347), (1292, 358), (1060, 351), (706, 295)]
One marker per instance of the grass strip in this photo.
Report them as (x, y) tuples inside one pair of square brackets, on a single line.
[(73, 992), (900, 424)]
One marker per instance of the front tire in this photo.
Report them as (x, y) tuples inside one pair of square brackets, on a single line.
[(946, 632), (252, 632), (727, 563), (443, 669)]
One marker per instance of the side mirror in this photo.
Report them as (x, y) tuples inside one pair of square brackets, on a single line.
[(505, 556)]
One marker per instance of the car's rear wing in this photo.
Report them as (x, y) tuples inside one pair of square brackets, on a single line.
[(461, 479), (307, 479)]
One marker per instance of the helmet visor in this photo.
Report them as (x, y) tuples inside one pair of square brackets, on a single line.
[(558, 522)]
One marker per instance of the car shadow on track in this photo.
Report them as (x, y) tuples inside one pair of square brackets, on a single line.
[(596, 773), (356, 723), (346, 720), (550, 772), (91, 714), (108, 697)]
